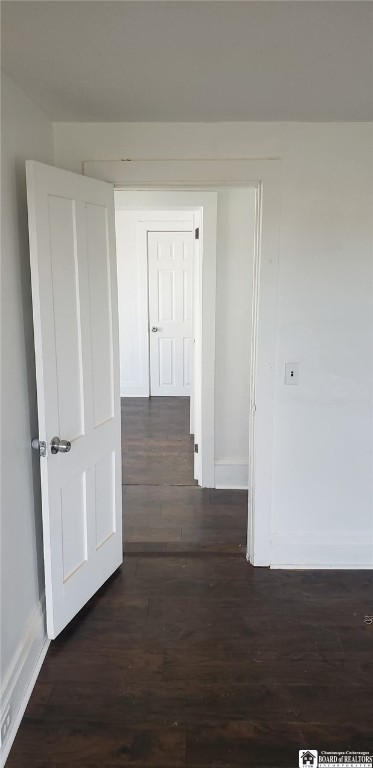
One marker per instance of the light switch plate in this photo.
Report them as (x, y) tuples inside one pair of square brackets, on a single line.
[(291, 373)]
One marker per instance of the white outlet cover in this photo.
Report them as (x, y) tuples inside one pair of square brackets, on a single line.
[(291, 373)]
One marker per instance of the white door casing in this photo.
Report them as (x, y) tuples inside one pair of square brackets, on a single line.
[(74, 291), (263, 174), (196, 399), (170, 286)]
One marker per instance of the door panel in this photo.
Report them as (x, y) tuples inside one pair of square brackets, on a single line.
[(166, 357), (166, 296), (74, 524), (73, 272), (101, 312), (170, 265), (187, 295), (66, 315)]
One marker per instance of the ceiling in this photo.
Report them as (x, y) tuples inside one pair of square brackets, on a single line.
[(192, 61)]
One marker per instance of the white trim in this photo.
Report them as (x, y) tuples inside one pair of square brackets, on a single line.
[(133, 390), (264, 176), (232, 473), (195, 426), (163, 225), (22, 674), (187, 174), (144, 226), (321, 549), (333, 567)]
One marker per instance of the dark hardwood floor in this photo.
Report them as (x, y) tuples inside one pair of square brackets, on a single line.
[(195, 658), (157, 447), (183, 519), (164, 511)]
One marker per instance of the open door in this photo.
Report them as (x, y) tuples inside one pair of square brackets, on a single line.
[(74, 292)]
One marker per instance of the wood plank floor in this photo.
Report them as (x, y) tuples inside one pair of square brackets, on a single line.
[(157, 447), (194, 660), (205, 662), (167, 512), (183, 519)]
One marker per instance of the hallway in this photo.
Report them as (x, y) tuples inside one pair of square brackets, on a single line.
[(188, 656), (157, 448), (163, 508)]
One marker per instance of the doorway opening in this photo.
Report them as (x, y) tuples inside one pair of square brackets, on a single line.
[(160, 305), (263, 176), (163, 238)]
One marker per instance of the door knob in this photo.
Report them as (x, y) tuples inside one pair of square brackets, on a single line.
[(60, 446), (154, 329)]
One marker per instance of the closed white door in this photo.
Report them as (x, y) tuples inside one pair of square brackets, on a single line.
[(74, 291), (170, 267)]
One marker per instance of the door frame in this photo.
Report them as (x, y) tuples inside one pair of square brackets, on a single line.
[(264, 176), (146, 225), (162, 223)]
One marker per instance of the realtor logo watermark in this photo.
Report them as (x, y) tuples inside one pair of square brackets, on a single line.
[(313, 758), (308, 758)]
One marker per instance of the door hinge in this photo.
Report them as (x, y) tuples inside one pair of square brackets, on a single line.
[(196, 233), (253, 408), (39, 445), (195, 447)]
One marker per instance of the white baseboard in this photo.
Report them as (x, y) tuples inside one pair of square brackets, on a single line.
[(128, 391), (232, 473), (22, 675), (321, 567), (343, 550)]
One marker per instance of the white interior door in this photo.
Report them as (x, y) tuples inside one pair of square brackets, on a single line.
[(170, 266), (73, 272)]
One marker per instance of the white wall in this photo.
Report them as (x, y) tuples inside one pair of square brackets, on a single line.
[(234, 278), (26, 134), (134, 379), (322, 480)]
